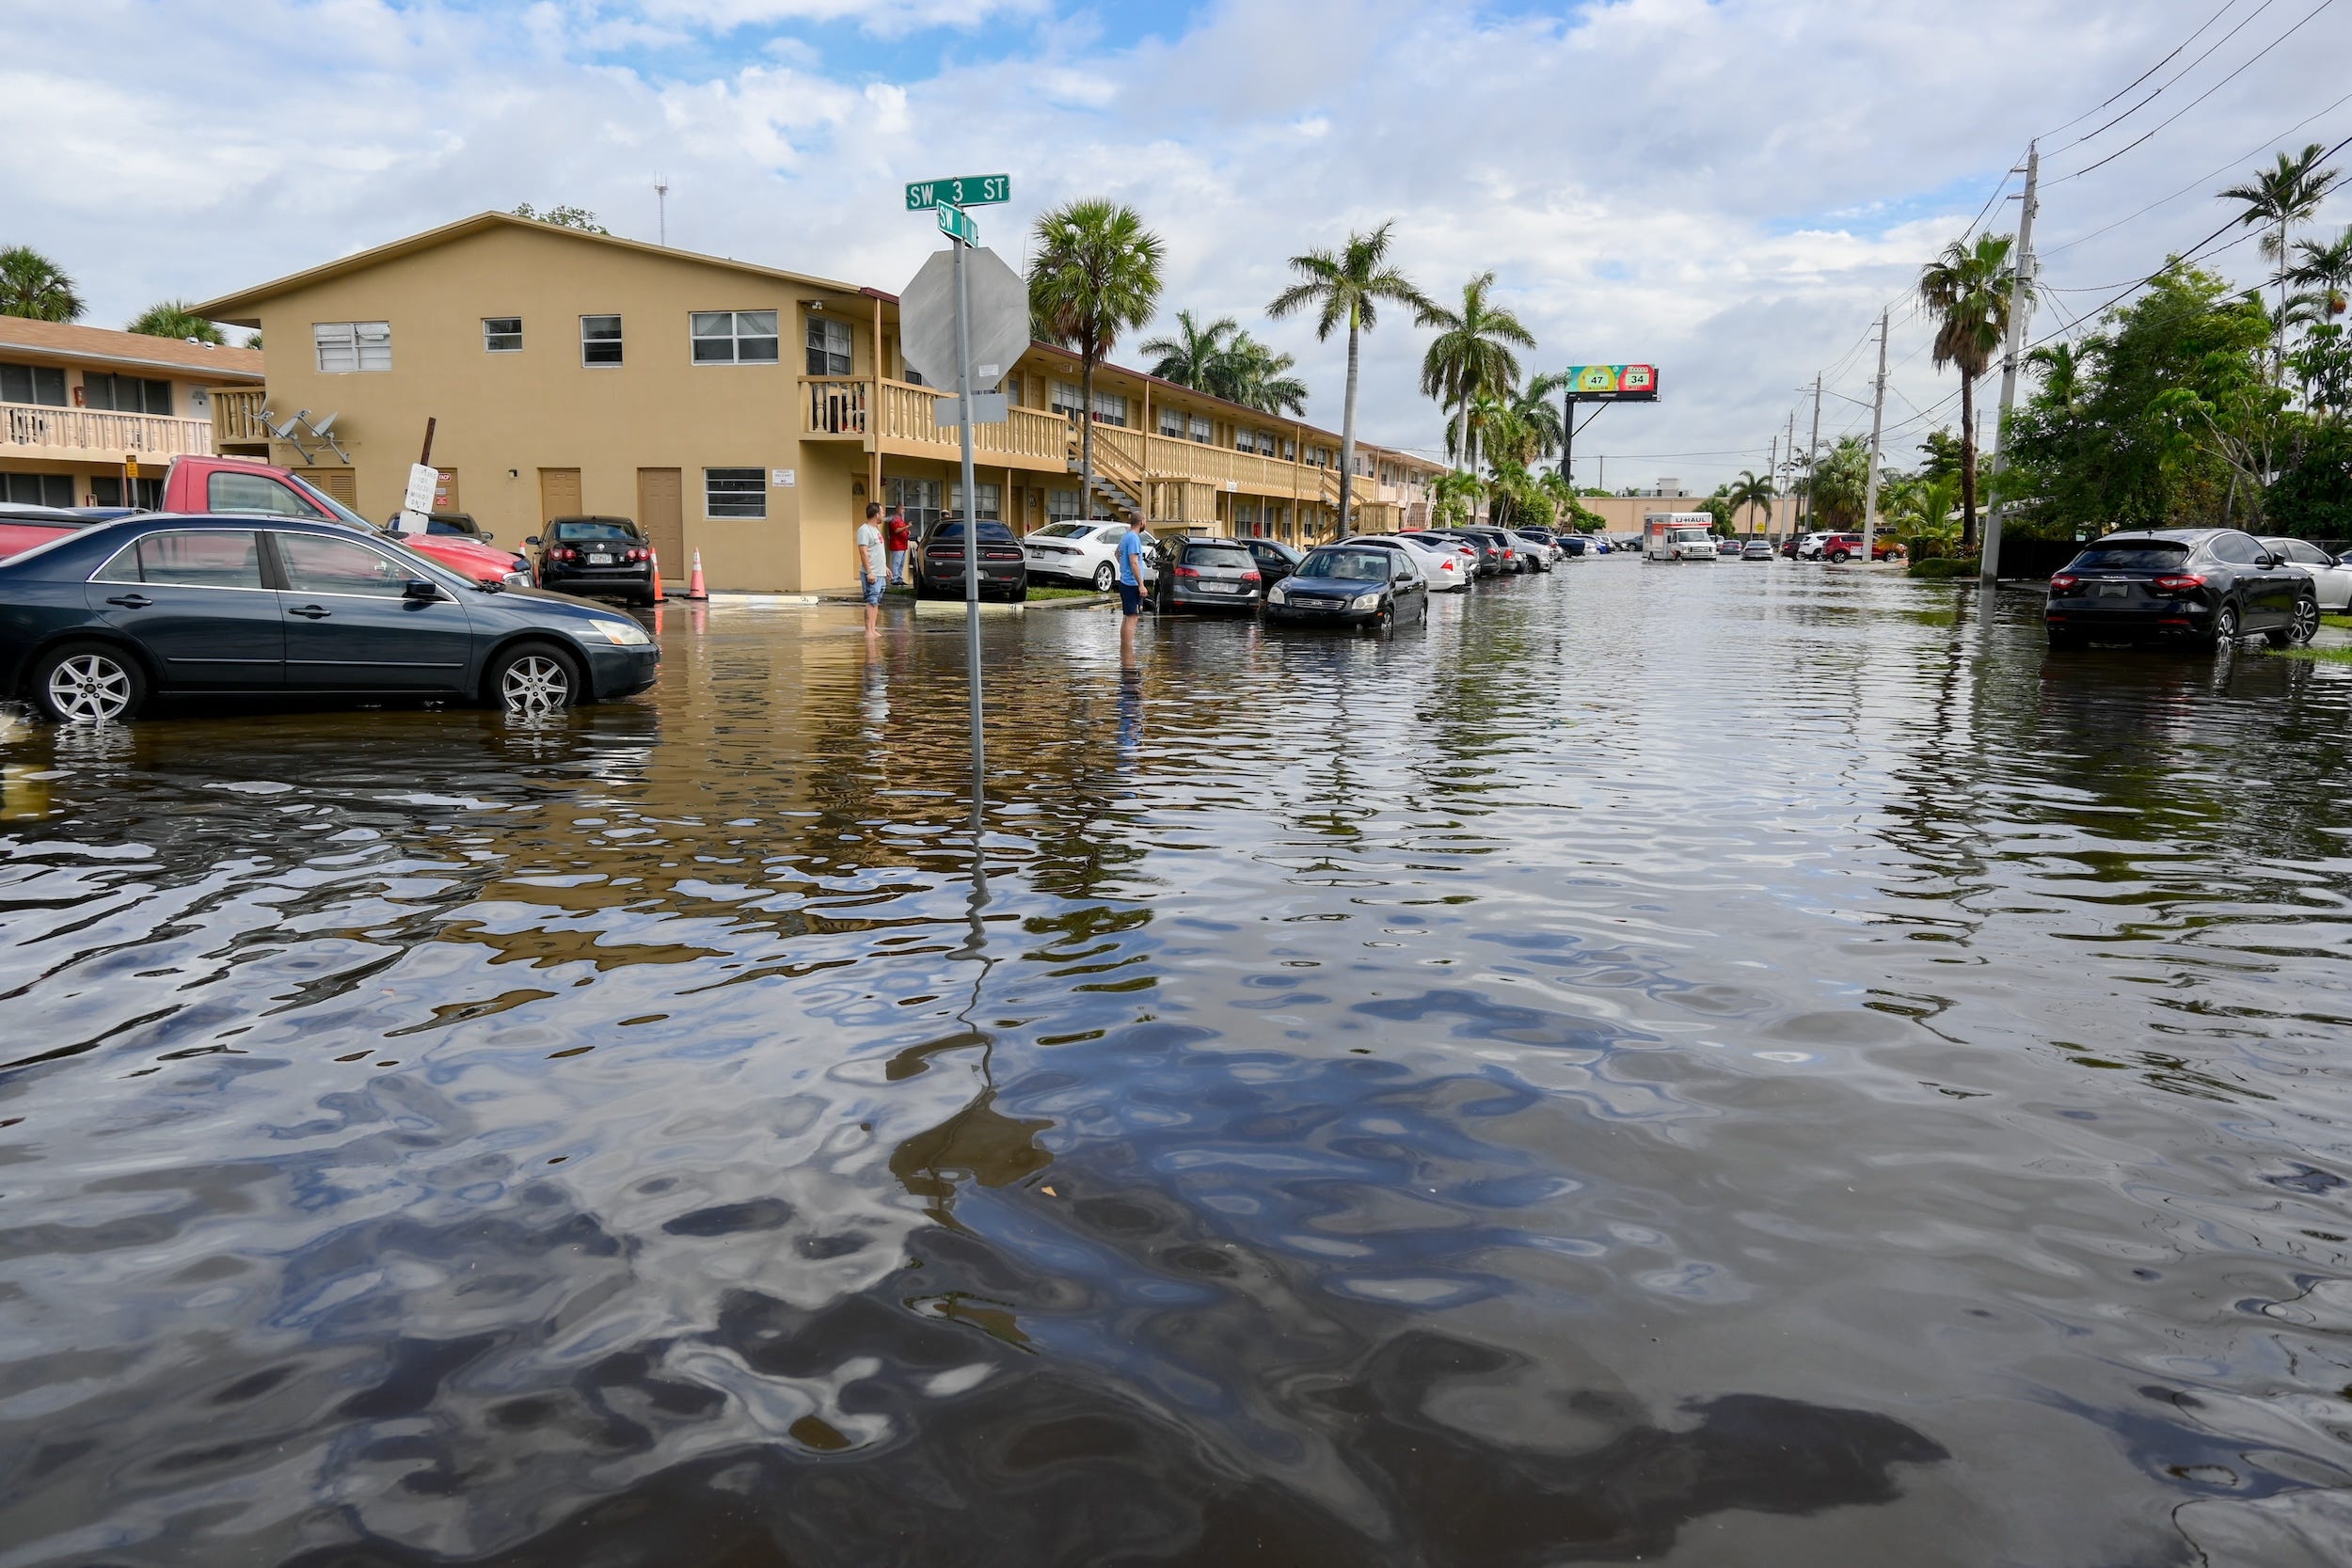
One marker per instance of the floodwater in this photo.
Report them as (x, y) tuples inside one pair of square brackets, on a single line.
[(1712, 1065)]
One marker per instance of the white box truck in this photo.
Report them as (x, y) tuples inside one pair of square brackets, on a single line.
[(1678, 536)]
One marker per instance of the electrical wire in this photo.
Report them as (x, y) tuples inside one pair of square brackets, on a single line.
[(2183, 71)]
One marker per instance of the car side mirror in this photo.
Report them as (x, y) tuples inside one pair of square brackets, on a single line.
[(532, 540), (2269, 560), (420, 588)]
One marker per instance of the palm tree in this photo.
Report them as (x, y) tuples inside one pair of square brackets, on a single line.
[(2277, 199), (34, 286), (1252, 374), (1349, 286), (1471, 354), (2326, 269), (1751, 490), (172, 318), (1094, 274), (2062, 375), (1188, 356), (1968, 289), (1536, 407)]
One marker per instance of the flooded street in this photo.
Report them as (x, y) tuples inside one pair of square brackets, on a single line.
[(1718, 1064)]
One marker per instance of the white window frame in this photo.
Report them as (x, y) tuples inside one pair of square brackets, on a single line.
[(1200, 428), (1171, 424), (991, 499), (1061, 506), (347, 348), (491, 333), (756, 481), (819, 339), (1110, 408), (734, 336), (1065, 398), (619, 341)]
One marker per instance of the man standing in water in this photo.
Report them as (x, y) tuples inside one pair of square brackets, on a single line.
[(871, 572), (1130, 553), (894, 536)]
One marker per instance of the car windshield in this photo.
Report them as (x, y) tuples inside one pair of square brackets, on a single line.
[(1224, 558), (990, 534), (2130, 557), (332, 507), (1358, 566), (1065, 531), (595, 530), (1688, 535)]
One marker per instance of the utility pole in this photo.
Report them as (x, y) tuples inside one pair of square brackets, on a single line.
[(2020, 307), (1772, 472), (661, 200), (1791, 450), (1871, 485), (1813, 450)]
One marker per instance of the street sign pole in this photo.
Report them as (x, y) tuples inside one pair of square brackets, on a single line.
[(971, 539)]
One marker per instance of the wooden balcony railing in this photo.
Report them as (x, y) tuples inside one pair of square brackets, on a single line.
[(907, 419), (102, 434), (237, 416), (834, 405)]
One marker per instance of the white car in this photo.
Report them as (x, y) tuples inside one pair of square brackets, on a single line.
[(1809, 547), (2331, 579), (1083, 552), (1449, 571)]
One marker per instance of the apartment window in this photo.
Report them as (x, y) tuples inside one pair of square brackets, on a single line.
[(344, 347), (1266, 443), (44, 384), (126, 394), (736, 337), (146, 493), (828, 346), (1171, 424), (1012, 392), (735, 492), (1061, 506), (600, 340), (501, 334), (37, 489), (1066, 398), (991, 508), (1245, 514), (1110, 408), (919, 499), (1201, 431)]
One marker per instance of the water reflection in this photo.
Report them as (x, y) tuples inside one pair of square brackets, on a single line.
[(1545, 1086)]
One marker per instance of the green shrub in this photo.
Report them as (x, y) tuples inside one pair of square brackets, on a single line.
[(1942, 567)]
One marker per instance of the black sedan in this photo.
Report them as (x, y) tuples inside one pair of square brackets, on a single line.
[(1212, 574), (2211, 586), (939, 564), (97, 624), (595, 556), (1351, 585), (1276, 560)]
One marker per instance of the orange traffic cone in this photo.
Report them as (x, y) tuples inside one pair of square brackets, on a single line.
[(694, 589), (657, 594)]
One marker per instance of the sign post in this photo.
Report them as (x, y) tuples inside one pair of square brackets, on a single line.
[(1004, 330)]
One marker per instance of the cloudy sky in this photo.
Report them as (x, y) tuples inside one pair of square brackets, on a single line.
[(1730, 190)]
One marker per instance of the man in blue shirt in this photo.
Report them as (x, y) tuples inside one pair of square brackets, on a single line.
[(1130, 554)]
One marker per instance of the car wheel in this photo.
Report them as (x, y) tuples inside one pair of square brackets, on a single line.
[(1386, 620), (2063, 640), (2301, 628), (533, 677), (2225, 626), (85, 683), (1021, 594), (1104, 578), (1841, 558)]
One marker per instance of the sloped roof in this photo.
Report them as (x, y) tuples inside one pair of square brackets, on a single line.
[(105, 345), (237, 308)]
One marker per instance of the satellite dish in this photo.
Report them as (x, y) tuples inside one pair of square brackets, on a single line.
[(325, 429)]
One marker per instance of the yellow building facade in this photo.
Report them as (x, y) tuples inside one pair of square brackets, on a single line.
[(81, 407), (738, 411)]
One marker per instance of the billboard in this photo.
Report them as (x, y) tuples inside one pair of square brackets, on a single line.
[(1614, 382)]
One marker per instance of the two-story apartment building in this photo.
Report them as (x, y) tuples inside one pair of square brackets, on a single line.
[(80, 404), (738, 410)]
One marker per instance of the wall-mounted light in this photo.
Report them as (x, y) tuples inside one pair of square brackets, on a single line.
[(514, 473)]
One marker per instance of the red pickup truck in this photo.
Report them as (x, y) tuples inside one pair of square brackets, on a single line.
[(244, 484)]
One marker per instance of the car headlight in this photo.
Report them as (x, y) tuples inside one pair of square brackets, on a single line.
[(1275, 594), (627, 634), (1366, 601), (518, 579)]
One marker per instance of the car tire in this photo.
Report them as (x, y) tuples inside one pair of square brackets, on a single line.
[(89, 683), (1021, 595), (2065, 642), (533, 677), (1104, 578), (2301, 627), (1841, 558), (2225, 626)]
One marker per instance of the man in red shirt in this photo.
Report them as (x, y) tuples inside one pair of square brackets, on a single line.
[(895, 536)]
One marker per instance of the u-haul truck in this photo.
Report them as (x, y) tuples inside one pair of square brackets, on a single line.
[(1678, 536)]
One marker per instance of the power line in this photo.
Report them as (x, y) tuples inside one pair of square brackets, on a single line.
[(2159, 65), (2199, 99)]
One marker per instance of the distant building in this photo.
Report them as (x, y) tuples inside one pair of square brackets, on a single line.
[(77, 402)]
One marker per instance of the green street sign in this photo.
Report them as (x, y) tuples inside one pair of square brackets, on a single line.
[(969, 190), (955, 221)]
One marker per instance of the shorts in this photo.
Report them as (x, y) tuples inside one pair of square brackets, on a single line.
[(1130, 599), (870, 587)]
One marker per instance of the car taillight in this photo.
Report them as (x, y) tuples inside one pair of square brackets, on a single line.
[(567, 555), (1508, 556), (2064, 583), (640, 555), (2180, 583), (1187, 571), (1251, 576)]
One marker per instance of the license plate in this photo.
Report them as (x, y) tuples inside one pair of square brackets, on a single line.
[(2113, 589), (599, 560)]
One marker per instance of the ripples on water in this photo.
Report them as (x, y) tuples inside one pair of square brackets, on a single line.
[(1739, 1065)]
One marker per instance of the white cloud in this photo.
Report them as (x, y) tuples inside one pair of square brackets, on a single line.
[(1730, 189)]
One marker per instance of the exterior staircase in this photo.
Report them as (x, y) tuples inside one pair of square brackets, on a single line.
[(1119, 490)]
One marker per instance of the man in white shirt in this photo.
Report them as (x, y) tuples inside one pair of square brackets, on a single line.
[(872, 569)]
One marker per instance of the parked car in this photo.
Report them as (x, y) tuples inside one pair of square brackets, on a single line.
[(1602, 546), (1808, 546), (1447, 568), (2332, 578), (2207, 585), (1535, 550), (1484, 556), (595, 556), (1210, 574), (1276, 560), (97, 624), (939, 563), (1351, 585), (1573, 545), (22, 525), (1757, 549), (1727, 547), (1514, 560), (246, 485), (1839, 548), (1083, 552)]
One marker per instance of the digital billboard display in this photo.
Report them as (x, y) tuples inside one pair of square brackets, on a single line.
[(1614, 382)]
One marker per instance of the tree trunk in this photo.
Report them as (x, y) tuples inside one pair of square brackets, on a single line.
[(1347, 435), (1086, 436), (2280, 349), (1967, 461)]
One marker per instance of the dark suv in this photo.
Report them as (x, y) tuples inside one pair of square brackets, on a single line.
[(2210, 585), (939, 564), (595, 555), (1210, 574)]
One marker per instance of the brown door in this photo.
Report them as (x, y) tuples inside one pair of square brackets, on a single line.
[(661, 513), (559, 493)]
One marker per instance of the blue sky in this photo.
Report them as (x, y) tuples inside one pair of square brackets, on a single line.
[(1729, 188)]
